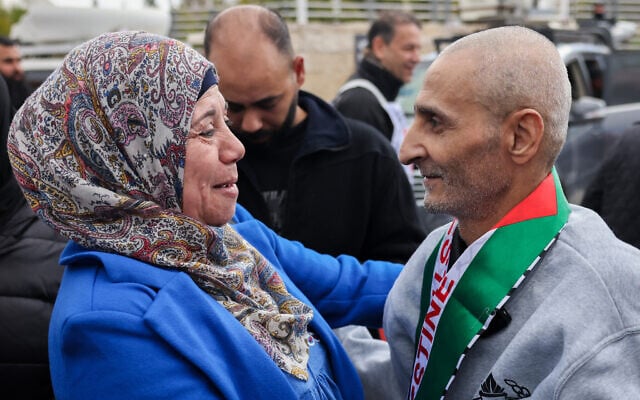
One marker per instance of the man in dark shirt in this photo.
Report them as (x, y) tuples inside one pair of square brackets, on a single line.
[(391, 55), (332, 183)]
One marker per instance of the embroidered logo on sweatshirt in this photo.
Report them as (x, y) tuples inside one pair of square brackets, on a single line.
[(490, 389)]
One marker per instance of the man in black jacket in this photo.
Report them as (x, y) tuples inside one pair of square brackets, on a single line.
[(29, 280), (391, 55), (332, 183)]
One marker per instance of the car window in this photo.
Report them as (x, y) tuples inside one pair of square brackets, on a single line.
[(622, 80), (595, 69), (576, 78)]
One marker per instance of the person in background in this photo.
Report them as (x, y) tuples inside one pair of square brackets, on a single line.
[(6, 115), (12, 71), (389, 60), (613, 193), (332, 183), (391, 55), (523, 295), (29, 280), (161, 298)]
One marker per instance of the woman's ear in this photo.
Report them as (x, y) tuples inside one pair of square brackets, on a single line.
[(525, 131)]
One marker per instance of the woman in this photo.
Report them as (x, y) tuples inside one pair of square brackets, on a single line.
[(125, 151)]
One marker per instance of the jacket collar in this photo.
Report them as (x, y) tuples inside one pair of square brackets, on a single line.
[(371, 70), (326, 128), (119, 268)]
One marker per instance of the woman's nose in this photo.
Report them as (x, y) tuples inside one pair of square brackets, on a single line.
[(233, 149)]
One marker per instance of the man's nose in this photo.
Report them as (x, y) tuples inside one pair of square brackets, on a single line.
[(411, 149), (251, 121), (415, 56)]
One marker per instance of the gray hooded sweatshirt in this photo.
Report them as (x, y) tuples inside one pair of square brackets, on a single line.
[(574, 331)]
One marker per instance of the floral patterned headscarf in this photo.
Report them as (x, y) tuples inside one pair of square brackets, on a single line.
[(99, 152)]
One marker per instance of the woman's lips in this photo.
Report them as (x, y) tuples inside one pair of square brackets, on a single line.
[(229, 188)]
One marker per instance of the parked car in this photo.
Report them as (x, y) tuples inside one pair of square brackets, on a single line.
[(599, 118)]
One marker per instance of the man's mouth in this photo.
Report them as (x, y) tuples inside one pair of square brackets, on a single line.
[(431, 176)]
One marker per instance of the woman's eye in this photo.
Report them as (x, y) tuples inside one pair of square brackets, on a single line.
[(207, 133), (228, 122)]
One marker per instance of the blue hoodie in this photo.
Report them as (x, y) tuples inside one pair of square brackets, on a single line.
[(124, 326)]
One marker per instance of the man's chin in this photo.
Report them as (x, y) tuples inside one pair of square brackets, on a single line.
[(434, 206)]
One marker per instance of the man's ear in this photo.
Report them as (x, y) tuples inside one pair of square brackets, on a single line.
[(525, 131), (377, 46), (298, 69)]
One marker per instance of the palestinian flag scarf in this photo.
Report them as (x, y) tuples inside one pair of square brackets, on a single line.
[(458, 303)]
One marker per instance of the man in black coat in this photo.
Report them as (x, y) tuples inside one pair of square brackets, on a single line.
[(391, 55), (29, 280), (332, 183)]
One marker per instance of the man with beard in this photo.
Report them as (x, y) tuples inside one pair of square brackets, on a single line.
[(12, 72), (334, 184), (523, 295)]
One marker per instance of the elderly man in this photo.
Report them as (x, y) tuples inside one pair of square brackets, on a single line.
[(522, 295)]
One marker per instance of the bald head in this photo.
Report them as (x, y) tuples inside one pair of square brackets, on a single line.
[(260, 75), (243, 25), (515, 67)]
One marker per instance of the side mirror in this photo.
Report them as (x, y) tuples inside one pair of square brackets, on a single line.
[(584, 107)]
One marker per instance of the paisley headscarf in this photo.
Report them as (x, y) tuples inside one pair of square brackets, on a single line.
[(99, 152)]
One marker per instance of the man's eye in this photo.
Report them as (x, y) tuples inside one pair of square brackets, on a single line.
[(434, 121), (234, 108), (268, 106)]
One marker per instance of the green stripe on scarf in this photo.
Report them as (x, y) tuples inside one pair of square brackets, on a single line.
[(491, 275)]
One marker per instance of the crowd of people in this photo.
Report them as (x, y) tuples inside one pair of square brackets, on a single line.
[(209, 230)]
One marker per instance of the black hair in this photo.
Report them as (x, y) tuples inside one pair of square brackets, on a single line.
[(8, 42), (385, 25)]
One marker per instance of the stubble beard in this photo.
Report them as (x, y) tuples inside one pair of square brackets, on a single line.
[(265, 136), (471, 195)]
